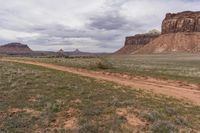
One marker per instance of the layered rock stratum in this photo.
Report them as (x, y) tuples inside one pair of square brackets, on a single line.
[(181, 22), (133, 43), (15, 48), (180, 33)]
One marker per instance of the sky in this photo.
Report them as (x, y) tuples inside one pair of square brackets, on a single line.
[(87, 25)]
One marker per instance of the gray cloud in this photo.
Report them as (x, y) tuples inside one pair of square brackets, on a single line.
[(108, 22), (90, 25)]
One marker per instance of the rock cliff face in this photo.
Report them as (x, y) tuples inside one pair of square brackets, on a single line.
[(15, 47), (136, 42), (180, 33), (140, 39), (173, 43), (181, 22)]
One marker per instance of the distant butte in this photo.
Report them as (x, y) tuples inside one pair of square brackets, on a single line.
[(15, 47)]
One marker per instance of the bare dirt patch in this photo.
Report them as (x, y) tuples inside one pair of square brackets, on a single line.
[(131, 120), (32, 99), (76, 101), (71, 123), (26, 110), (67, 119)]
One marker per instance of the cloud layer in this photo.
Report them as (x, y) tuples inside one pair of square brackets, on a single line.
[(89, 25)]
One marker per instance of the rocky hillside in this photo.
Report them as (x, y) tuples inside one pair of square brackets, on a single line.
[(180, 33), (15, 48), (138, 41)]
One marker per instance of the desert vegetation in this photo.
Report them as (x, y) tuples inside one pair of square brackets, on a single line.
[(36, 99), (184, 67)]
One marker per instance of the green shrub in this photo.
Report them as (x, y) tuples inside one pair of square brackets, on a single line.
[(181, 121), (102, 64), (88, 128), (151, 116), (163, 127)]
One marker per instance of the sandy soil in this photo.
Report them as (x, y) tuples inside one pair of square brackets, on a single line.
[(176, 89)]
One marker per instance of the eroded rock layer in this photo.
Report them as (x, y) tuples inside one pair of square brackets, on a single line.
[(173, 43), (180, 33), (136, 42), (181, 22)]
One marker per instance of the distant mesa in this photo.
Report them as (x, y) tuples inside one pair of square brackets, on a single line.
[(138, 41), (180, 33), (15, 48)]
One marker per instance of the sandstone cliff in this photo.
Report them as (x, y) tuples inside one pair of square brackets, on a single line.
[(180, 33), (136, 42), (181, 22), (15, 47), (173, 43)]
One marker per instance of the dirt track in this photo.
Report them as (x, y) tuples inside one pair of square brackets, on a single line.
[(189, 92)]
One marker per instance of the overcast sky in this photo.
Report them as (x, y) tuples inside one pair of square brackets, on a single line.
[(89, 25)]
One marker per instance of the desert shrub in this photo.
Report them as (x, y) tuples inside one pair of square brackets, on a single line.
[(181, 121), (170, 111), (151, 116), (102, 63), (88, 128), (92, 111), (163, 127), (53, 107)]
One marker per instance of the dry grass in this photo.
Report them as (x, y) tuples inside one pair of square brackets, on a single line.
[(184, 67), (35, 99)]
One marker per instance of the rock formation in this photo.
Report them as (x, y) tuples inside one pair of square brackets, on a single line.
[(15, 48), (180, 33), (136, 42), (173, 43), (181, 22)]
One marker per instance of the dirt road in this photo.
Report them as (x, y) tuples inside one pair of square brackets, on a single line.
[(180, 90)]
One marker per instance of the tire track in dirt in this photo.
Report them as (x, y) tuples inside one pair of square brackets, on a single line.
[(188, 92)]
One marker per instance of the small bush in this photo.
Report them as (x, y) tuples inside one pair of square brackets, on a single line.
[(163, 127), (151, 116), (88, 128), (102, 64), (170, 111), (181, 121)]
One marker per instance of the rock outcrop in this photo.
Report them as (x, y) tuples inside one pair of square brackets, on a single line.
[(136, 42), (180, 33), (15, 48), (181, 22), (140, 39), (173, 43)]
